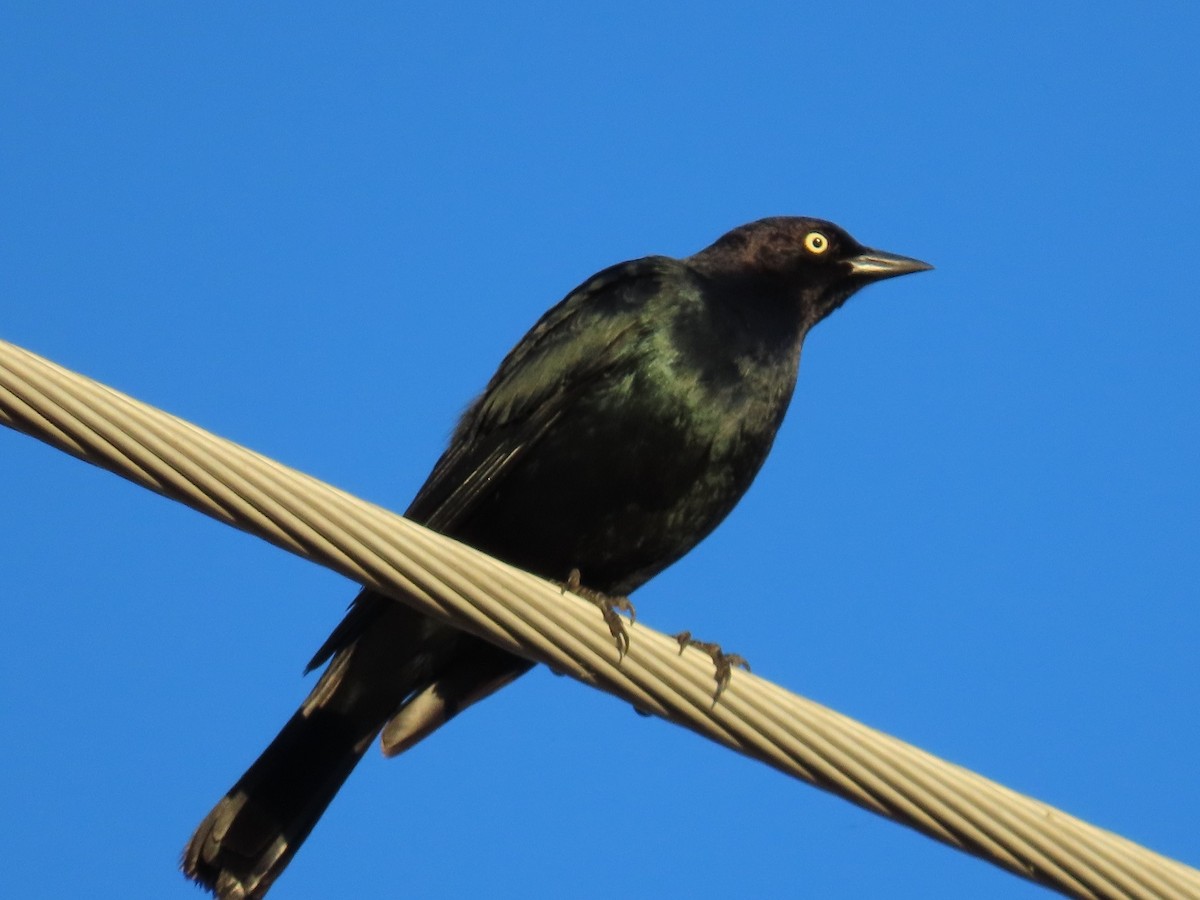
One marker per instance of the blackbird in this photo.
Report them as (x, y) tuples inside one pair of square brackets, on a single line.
[(613, 438)]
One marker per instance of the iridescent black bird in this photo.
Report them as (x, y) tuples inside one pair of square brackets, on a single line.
[(614, 437)]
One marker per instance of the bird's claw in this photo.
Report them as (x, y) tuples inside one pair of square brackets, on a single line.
[(724, 662), (610, 607)]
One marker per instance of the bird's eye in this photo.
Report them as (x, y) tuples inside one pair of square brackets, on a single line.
[(816, 243)]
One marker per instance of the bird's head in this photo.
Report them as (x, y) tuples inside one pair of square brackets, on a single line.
[(811, 262)]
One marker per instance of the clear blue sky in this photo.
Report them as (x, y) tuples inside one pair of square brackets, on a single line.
[(316, 232)]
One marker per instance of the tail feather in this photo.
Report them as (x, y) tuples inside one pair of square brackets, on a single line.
[(243, 845), (396, 665), (248, 839), (474, 676)]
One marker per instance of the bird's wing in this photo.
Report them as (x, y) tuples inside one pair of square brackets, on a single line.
[(589, 335)]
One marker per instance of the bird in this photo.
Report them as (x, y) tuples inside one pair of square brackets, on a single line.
[(614, 437)]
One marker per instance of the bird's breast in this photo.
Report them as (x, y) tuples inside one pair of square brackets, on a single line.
[(632, 476)]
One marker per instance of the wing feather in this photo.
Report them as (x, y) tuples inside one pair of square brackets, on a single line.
[(572, 346)]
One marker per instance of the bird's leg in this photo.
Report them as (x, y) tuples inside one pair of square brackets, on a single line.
[(724, 662), (611, 607)]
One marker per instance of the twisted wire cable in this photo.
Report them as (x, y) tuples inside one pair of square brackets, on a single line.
[(534, 618)]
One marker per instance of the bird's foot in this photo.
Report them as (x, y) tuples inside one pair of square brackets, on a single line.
[(610, 607), (724, 662)]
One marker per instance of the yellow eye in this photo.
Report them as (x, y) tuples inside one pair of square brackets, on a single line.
[(815, 242)]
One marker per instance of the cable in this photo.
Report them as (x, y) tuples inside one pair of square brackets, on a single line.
[(534, 618)]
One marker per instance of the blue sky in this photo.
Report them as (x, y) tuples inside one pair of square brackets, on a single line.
[(317, 231)]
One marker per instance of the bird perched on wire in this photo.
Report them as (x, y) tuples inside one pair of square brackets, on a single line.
[(613, 438)]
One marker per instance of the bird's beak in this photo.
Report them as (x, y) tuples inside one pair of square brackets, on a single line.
[(876, 265)]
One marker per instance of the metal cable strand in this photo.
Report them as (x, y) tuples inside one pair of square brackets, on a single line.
[(533, 618)]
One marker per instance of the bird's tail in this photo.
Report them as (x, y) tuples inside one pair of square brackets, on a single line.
[(243, 845), (251, 835), (387, 662)]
